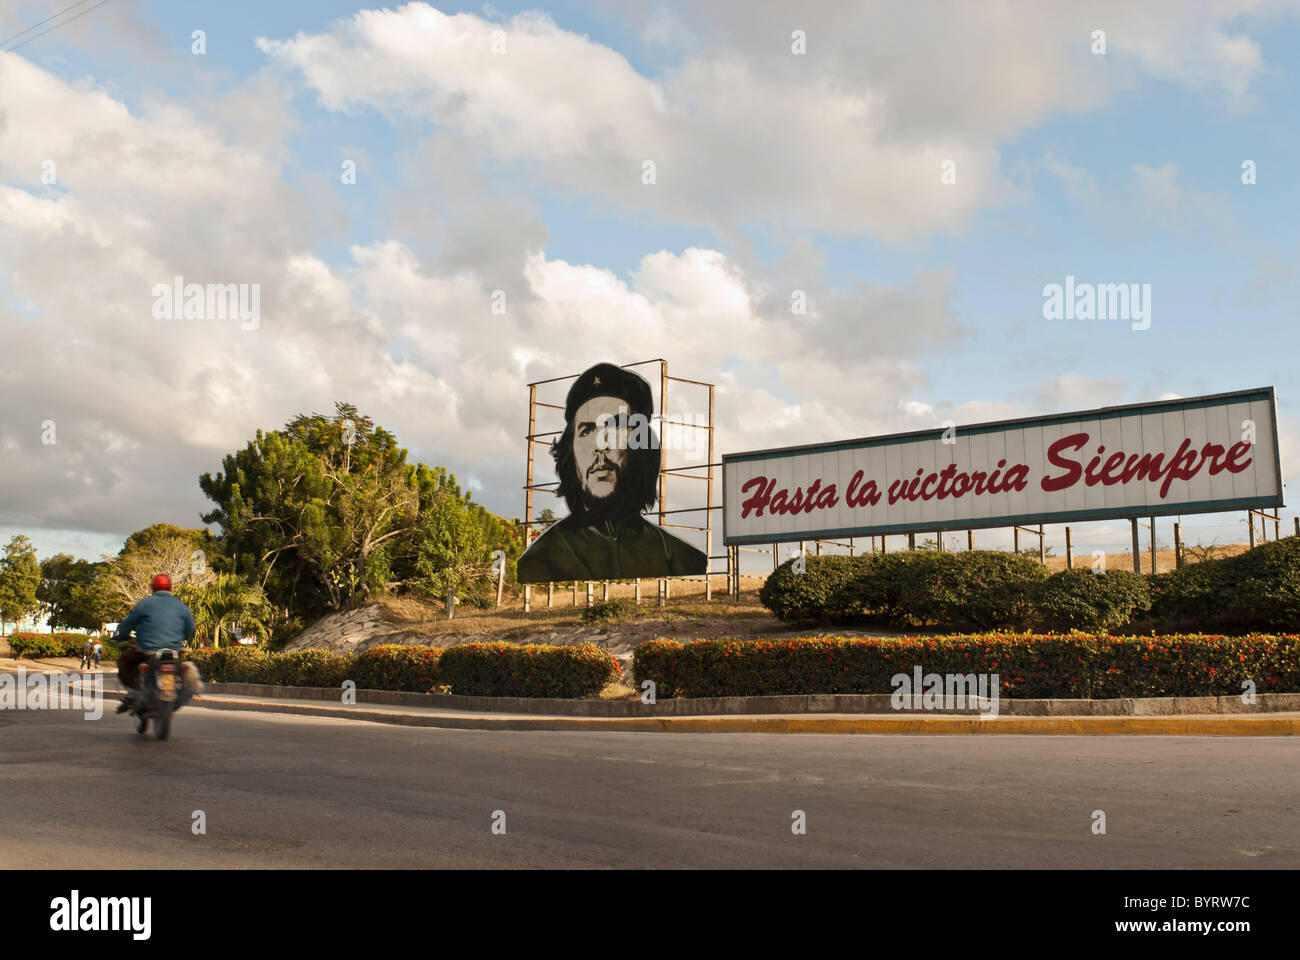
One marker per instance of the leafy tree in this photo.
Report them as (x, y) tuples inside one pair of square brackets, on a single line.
[(157, 534), (20, 577), (74, 594), (184, 555), (327, 513), (453, 551), (228, 600), (316, 513)]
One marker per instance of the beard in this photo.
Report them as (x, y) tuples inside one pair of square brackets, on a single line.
[(597, 507)]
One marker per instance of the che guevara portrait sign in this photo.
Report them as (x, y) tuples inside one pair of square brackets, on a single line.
[(607, 460)]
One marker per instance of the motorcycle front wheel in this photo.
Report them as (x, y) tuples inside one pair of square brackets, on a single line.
[(162, 724)]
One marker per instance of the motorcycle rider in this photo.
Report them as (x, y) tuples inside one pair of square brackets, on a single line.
[(160, 621)]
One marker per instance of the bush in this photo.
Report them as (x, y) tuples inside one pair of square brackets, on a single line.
[(981, 589), (820, 592), (477, 669), (396, 667), (610, 611), (1255, 590), (39, 646), (1092, 602), (235, 664), (1028, 666), (533, 670), (308, 668)]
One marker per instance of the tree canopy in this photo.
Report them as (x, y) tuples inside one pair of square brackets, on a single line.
[(327, 512), (20, 578)]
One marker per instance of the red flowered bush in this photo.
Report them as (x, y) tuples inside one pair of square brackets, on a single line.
[(1029, 666), (530, 670)]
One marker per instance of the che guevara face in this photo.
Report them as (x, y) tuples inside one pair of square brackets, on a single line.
[(599, 446)]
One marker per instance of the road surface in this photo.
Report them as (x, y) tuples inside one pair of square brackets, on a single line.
[(284, 791)]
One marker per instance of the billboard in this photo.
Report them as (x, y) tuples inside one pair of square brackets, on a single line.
[(1191, 455), (608, 459)]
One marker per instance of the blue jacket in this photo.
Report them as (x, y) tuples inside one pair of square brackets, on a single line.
[(159, 621)]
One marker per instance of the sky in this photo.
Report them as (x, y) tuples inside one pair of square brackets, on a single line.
[(386, 177)]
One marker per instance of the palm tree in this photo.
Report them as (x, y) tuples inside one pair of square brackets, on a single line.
[(229, 600)]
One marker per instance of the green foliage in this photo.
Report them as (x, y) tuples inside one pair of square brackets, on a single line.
[(1092, 602), (396, 667), (533, 670), (20, 578), (479, 669), (1028, 666), (979, 589), (308, 668), (1255, 590), (820, 592), (611, 611), (74, 593), (453, 547), (311, 513), (223, 602), (236, 664), (158, 535), (188, 556), (326, 514), (41, 646)]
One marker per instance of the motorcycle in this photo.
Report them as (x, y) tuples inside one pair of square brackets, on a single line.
[(162, 692)]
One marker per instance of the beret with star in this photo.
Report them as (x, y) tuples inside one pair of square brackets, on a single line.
[(607, 380)]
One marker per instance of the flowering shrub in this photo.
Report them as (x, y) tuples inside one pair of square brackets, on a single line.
[(475, 669), (1029, 666), (396, 667), (235, 664), (532, 670), (38, 645)]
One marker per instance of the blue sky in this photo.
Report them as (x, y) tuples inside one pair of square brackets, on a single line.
[(1123, 168)]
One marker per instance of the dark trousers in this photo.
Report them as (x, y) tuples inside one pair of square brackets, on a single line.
[(128, 667)]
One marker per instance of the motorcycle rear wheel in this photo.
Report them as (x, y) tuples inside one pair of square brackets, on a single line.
[(162, 724)]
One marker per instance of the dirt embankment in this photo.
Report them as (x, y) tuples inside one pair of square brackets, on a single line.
[(407, 623), (685, 616)]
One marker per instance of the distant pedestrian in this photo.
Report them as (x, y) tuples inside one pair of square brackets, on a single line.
[(99, 651), (87, 651)]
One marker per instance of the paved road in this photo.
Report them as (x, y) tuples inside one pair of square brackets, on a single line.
[(282, 791)]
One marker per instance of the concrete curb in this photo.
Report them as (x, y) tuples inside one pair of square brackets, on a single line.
[(1176, 726), (739, 706)]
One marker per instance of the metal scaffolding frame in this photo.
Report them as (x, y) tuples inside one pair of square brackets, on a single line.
[(662, 418)]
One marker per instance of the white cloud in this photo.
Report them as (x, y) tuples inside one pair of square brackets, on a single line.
[(850, 137)]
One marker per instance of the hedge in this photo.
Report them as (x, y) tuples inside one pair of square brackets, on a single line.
[(393, 666), (477, 669), (1255, 590), (529, 670), (985, 589), (1032, 666), (38, 645)]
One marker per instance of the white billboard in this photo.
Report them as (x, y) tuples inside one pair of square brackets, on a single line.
[(1192, 455)]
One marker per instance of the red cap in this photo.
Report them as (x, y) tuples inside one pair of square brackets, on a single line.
[(160, 582)]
